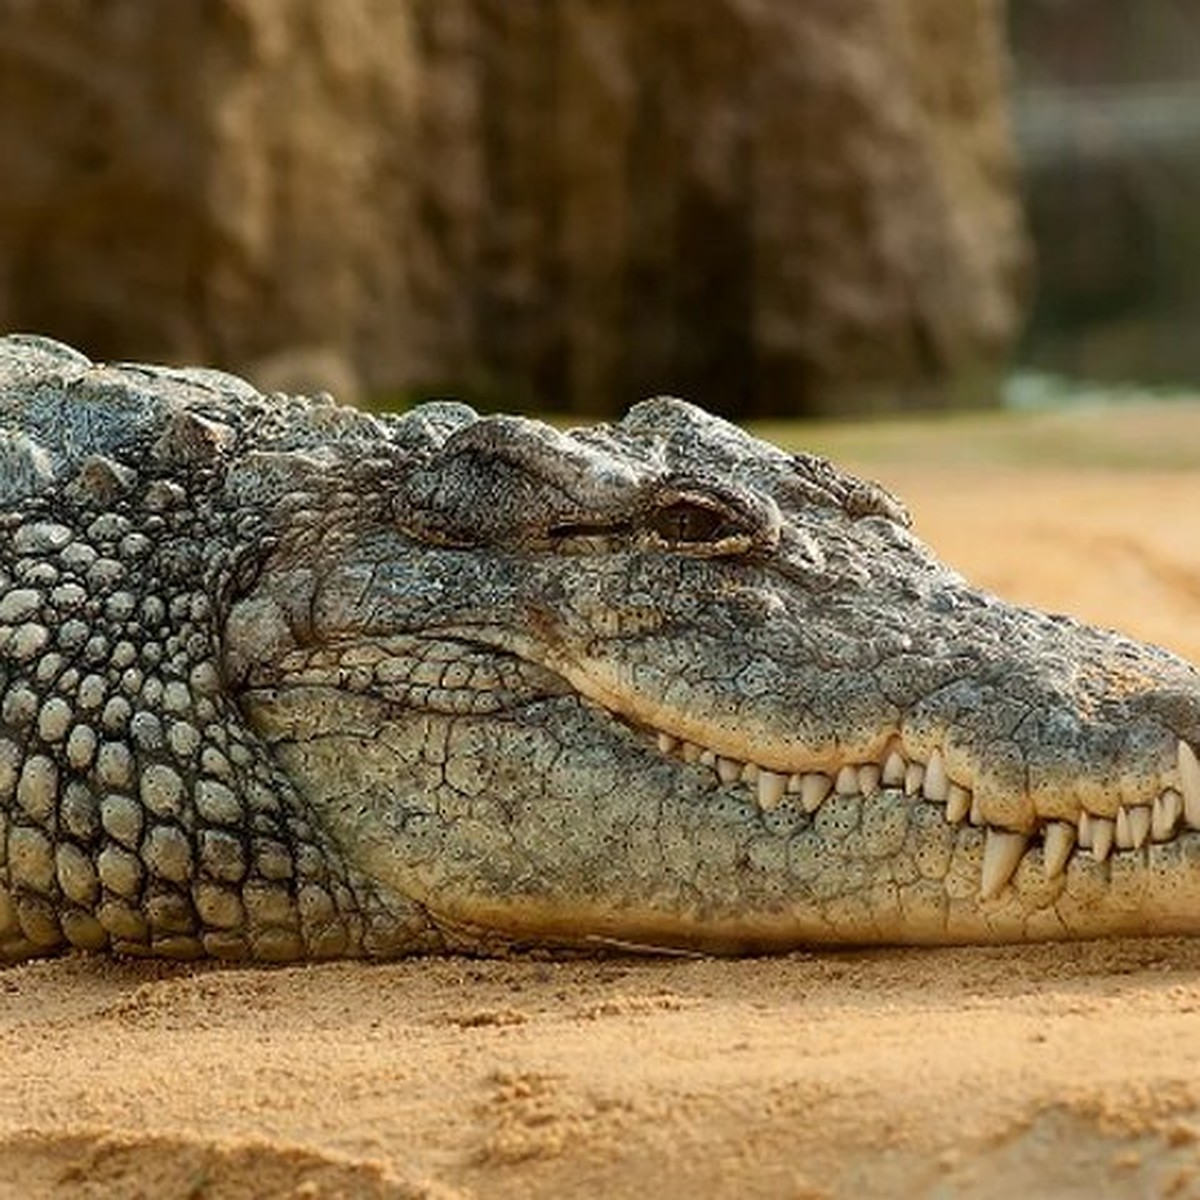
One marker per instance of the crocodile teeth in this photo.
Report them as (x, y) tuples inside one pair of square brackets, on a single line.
[(729, 770), (1060, 840), (894, 769), (1168, 807), (1103, 832), (1001, 856), (936, 786), (771, 786), (846, 783), (813, 790), (1133, 826), (976, 814), (1123, 835), (1189, 778), (1139, 825), (958, 804), (1085, 830)]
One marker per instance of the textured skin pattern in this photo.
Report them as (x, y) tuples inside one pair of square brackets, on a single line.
[(282, 680), (137, 811)]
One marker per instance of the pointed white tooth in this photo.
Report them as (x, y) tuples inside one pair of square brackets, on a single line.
[(1189, 780), (846, 783), (729, 769), (771, 786), (894, 769), (1103, 832), (708, 758), (975, 816), (1133, 826), (937, 786), (813, 790), (1060, 840), (1084, 836), (794, 783), (1139, 825), (1168, 806), (750, 773), (691, 752), (1002, 852), (914, 778), (868, 779), (958, 804), (667, 743), (1123, 836)]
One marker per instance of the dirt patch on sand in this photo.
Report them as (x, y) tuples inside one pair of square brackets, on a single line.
[(977, 1072)]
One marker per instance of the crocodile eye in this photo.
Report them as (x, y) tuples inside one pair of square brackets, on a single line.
[(686, 521)]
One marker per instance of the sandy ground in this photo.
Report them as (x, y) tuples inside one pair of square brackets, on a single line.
[(974, 1072)]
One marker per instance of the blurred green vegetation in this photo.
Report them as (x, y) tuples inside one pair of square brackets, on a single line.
[(1106, 101)]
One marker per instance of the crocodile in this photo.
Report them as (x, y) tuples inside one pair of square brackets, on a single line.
[(284, 680)]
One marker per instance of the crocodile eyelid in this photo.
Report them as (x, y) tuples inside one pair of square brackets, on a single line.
[(690, 522)]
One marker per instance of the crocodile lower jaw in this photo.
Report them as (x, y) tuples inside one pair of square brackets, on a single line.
[(1173, 810)]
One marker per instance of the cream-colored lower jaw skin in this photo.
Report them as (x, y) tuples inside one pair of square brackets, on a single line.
[(1145, 910)]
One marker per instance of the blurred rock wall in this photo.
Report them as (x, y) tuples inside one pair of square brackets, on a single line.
[(1107, 109), (770, 206)]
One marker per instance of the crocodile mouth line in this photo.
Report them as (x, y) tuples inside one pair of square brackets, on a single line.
[(1173, 811), (442, 682)]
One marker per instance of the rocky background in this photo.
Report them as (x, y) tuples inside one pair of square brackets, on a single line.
[(771, 206)]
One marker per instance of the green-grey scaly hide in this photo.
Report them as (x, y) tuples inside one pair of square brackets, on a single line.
[(280, 680)]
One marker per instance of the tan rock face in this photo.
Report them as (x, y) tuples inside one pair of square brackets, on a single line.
[(768, 206)]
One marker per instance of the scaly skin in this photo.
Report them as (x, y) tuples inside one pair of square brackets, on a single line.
[(282, 680)]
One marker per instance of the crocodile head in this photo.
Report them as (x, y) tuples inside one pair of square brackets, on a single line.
[(662, 684)]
